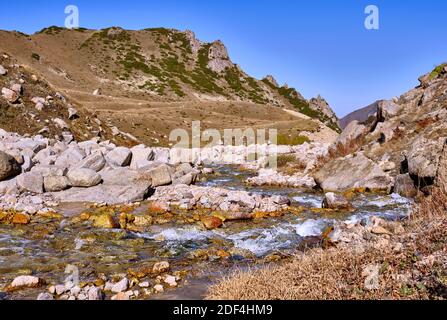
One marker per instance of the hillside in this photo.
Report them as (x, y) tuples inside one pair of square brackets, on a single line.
[(158, 72)]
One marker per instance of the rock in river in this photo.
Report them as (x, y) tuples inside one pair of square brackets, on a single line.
[(25, 282), (336, 201), (211, 222)]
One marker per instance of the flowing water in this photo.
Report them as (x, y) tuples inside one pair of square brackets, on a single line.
[(45, 249)]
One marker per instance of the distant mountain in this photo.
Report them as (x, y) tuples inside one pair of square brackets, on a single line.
[(141, 85), (360, 115), (160, 64)]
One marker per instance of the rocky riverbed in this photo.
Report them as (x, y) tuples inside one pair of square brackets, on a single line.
[(94, 221)]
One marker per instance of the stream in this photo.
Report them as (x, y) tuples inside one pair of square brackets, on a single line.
[(200, 255)]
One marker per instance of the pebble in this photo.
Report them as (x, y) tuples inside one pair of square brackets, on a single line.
[(159, 288), (171, 281), (120, 286), (60, 289), (161, 267), (45, 296)]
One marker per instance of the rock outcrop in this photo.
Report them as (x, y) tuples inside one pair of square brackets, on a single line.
[(218, 57), (402, 144), (353, 172), (319, 104)]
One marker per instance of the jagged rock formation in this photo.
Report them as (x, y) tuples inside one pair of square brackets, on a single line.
[(218, 58), (320, 105), (272, 80), (405, 139)]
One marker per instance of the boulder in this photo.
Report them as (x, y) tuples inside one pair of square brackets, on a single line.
[(84, 178), (122, 177), (9, 187), (353, 172), (95, 162), (10, 95), (187, 179), (160, 175), (211, 222), (183, 169), (31, 182), (70, 158), (110, 194), (423, 157), (55, 183), (404, 186), (9, 166), (162, 155), (48, 170), (141, 157), (25, 282), (281, 200), (335, 201), (388, 109), (105, 221), (352, 132), (119, 157)]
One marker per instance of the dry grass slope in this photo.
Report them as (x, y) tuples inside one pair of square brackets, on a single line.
[(419, 271)]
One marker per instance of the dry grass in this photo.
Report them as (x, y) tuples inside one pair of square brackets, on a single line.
[(341, 150), (418, 271), (289, 164), (431, 207)]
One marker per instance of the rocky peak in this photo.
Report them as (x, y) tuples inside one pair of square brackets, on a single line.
[(272, 80), (321, 105), (194, 42), (218, 57), (436, 73), (113, 32)]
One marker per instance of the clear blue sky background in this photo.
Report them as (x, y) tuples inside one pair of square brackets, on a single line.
[(318, 46)]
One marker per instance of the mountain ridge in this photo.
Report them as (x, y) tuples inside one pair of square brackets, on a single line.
[(157, 63)]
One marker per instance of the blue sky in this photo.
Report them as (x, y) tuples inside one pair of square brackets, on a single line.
[(318, 46)]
